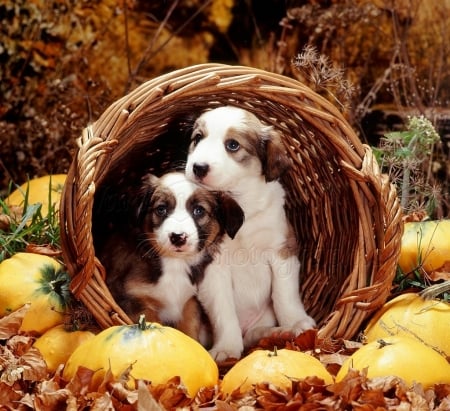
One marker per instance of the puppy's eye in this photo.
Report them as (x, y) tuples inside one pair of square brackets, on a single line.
[(161, 210), (198, 211), (196, 137), (232, 145)]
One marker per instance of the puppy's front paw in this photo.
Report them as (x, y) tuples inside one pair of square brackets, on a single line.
[(221, 353), (306, 323)]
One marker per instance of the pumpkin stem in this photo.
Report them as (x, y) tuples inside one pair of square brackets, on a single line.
[(274, 353), (142, 323), (383, 343)]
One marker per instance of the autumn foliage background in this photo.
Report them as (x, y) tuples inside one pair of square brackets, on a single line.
[(63, 62)]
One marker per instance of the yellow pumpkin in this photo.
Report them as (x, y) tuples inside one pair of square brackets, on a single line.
[(399, 356), (38, 280), (425, 244), (278, 367), (58, 343), (409, 314), (45, 190), (154, 352)]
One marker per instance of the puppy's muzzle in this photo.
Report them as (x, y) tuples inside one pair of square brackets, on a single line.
[(200, 170), (178, 239)]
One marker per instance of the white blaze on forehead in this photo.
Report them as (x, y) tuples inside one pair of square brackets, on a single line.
[(179, 220), (223, 118), (179, 185)]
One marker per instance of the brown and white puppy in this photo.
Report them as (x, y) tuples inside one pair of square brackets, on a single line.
[(251, 289), (154, 264)]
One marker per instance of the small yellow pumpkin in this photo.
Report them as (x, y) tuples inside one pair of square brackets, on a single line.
[(38, 280), (154, 352), (45, 190), (58, 343), (278, 367), (411, 315), (402, 357), (425, 244)]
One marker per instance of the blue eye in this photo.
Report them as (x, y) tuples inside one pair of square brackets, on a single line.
[(198, 211), (232, 145), (161, 210)]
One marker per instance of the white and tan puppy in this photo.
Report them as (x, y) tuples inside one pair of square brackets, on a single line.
[(251, 289), (155, 260)]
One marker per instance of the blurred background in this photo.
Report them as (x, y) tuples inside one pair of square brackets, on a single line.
[(63, 62)]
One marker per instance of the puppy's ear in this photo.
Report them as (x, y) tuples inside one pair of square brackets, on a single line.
[(275, 162), (229, 214), (143, 197)]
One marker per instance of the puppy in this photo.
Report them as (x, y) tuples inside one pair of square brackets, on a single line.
[(251, 289), (155, 261)]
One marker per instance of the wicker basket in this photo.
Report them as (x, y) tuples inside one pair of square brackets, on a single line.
[(345, 213)]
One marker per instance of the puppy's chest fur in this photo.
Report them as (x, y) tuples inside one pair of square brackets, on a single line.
[(265, 237), (265, 227), (167, 292)]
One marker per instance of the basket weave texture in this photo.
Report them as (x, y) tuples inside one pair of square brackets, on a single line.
[(345, 213)]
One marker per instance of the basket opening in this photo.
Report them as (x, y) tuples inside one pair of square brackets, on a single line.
[(319, 201)]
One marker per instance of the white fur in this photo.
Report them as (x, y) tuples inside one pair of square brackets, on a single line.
[(251, 289), (172, 290)]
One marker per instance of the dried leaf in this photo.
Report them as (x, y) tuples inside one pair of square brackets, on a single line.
[(275, 340), (270, 397), (79, 384), (307, 340), (442, 273), (385, 384), (444, 405), (207, 396), (123, 394), (373, 397), (101, 402), (442, 391), (9, 325), (335, 358), (415, 216), (9, 395), (51, 400), (350, 388), (172, 394), (352, 346), (28, 400), (19, 344), (146, 401), (19, 363), (417, 401), (35, 368), (223, 406)]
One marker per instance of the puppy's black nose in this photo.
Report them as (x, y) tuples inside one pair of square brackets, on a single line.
[(200, 169), (178, 239)]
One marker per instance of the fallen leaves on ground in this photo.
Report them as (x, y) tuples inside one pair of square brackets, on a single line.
[(26, 384)]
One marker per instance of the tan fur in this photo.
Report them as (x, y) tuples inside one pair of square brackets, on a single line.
[(190, 322), (291, 245)]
